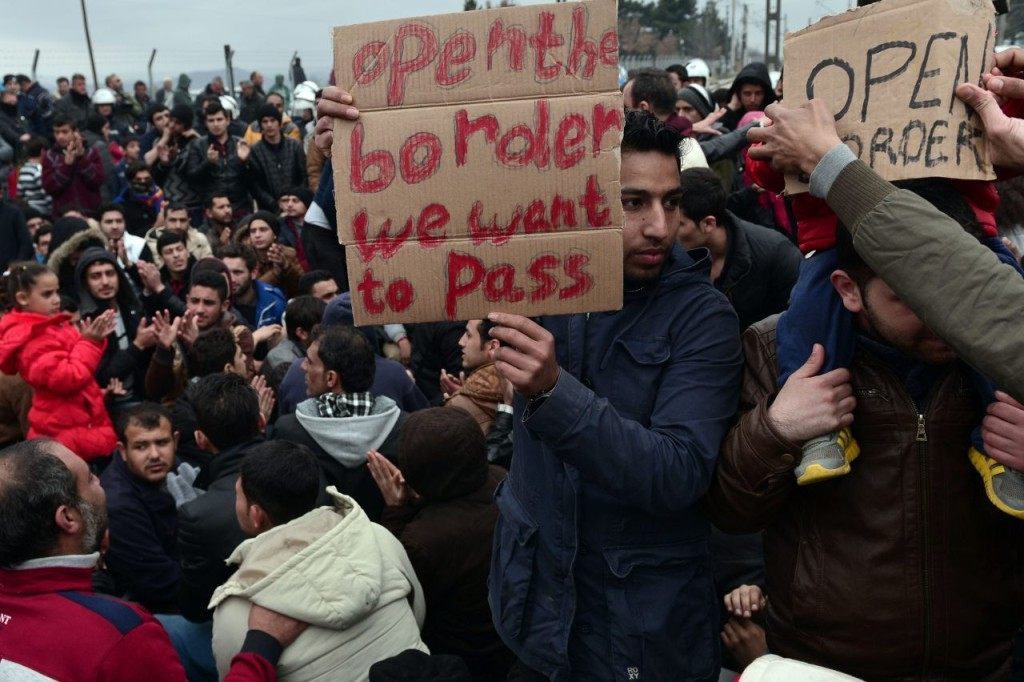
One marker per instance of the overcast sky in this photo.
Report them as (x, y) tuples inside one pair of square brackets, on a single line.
[(189, 35)]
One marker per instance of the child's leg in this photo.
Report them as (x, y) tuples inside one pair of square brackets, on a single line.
[(816, 315)]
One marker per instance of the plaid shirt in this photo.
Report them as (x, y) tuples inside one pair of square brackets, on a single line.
[(344, 404)]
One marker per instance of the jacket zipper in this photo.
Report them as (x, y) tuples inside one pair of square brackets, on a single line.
[(920, 439)]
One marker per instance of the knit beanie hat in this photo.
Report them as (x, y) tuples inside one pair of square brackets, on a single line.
[(304, 194), (183, 113), (697, 97), (268, 111)]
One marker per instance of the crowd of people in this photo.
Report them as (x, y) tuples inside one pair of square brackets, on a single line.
[(797, 443)]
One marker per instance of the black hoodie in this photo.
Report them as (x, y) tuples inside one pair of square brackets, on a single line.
[(754, 72), (129, 365)]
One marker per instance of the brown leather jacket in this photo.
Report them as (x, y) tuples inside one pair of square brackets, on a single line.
[(899, 570)]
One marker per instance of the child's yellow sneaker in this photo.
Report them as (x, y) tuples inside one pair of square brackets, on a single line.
[(827, 457), (1004, 486)]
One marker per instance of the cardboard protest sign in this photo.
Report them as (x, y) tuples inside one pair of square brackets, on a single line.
[(483, 172), (890, 71)]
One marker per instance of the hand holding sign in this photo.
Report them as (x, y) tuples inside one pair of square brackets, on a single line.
[(1004, 134), (334, 103), (527, 353), (797, 138)]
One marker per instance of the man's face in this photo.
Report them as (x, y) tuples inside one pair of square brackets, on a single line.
[(257, 78), (112, 224), (92, 499), (650, 203), (316, 375), (676, 82), (143, 180), (114, 83), (206, 305), (64, 135), (261, 235), (474, 353), (240, 276), (325, 290), (140, 89), (220, 212), (247, 90), (149, 452), (176, 126), (177, 221), (9, 98), (691, 235), (216, 87), (105, 110), (276, 101), (160, 120), (78, 85), (63, 87), (752, 96), (687, 111), (271, 127), (101, 280), (132, 149), (217, 124), (168, 84), (292, 206), (883, 313), (43, 245), (33, 225), (175, 257)]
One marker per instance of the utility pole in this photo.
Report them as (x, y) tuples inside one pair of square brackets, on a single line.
[(771, 15), (229, 55), (732, 35), (743, 41), (88, 43), (149, 68)]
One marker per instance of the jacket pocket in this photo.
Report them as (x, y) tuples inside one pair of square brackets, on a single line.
[(511, 562), (662, 613), (638, 371)]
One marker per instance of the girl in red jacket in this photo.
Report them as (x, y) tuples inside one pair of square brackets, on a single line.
[(39, 342)]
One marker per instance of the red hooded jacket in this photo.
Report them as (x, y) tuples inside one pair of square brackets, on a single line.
[(59, 364)]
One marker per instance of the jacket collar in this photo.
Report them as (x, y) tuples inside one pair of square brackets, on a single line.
[(50, 574), (738, 259), (225, 463)]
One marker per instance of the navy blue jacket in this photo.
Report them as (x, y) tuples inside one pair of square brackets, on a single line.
[(143, 554), (600, 567)]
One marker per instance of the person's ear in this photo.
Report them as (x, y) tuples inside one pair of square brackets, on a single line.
[(202, 442), (708, 224), (68, 520), (258, 518), (177, 439), (332, 379), (302, 335), (121, 451), (644, 106), (228, 368), (22, 298), (848, 290)]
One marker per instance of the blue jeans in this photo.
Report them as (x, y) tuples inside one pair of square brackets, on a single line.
[(194, 644)]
